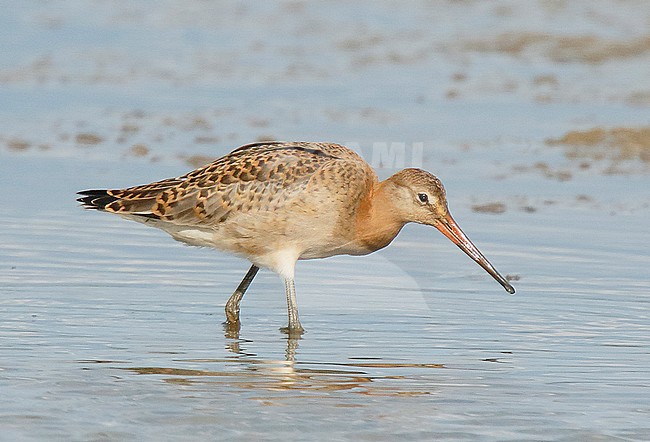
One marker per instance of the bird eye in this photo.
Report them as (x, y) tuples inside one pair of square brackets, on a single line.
[(423, 197)]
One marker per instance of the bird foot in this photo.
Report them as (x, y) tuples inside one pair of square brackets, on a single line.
[(232, 313), (232, 328), (293, 332)]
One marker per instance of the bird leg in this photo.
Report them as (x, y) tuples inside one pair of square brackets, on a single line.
[(232, 306), (294, 327)]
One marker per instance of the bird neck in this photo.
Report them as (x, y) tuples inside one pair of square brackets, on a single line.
[(378, 220)]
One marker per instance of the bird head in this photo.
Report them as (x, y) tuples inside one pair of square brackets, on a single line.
[(422, 199)]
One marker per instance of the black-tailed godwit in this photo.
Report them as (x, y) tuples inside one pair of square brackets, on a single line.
[(275, 203)]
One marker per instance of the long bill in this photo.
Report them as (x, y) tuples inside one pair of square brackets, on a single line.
[(451, 230)]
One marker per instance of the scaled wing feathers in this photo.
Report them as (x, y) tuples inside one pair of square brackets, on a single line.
[(256, 177)]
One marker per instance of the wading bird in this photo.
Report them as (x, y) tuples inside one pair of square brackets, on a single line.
[(275, 203)]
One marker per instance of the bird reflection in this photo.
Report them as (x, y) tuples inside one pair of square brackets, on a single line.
[(245, 370), (233, 342)]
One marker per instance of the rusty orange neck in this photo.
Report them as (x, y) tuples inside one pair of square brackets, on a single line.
[(378, 221)]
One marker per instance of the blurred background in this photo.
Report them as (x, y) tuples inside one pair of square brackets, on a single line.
[(161, 81), (535, 115)]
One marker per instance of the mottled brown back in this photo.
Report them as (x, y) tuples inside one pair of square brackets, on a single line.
[(255, 177)]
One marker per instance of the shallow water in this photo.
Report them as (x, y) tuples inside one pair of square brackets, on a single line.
[(113, 331)]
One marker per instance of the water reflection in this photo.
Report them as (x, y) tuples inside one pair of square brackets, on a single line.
[(247, 371), (233, 342)]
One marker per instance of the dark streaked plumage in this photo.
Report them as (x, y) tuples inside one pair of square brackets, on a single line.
[(277, 202)]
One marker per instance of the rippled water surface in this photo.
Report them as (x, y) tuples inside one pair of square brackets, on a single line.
[(110, 330)]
